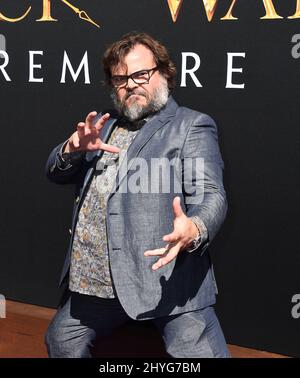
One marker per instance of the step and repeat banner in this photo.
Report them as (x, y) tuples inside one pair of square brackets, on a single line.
[(238, 61)]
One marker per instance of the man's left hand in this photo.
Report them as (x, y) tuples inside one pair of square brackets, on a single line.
[(184, 232)]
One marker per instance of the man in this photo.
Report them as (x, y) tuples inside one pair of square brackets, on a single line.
[(138, 246)]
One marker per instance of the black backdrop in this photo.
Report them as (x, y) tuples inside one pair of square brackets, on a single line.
[(256, 254)]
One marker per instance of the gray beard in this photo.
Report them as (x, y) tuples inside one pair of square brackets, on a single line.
[(137, 111)]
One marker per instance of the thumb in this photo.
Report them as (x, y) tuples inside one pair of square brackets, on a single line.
[(177, 207)]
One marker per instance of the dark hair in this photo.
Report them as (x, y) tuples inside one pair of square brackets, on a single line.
[(116, 53)]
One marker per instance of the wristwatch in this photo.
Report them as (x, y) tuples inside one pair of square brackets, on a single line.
[(195, 243), (198, 240), (202, 234), (65, 157)]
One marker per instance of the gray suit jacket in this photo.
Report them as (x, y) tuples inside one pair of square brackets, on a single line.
[(137, 221)]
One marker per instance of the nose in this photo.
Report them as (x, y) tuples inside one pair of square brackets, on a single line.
[(131, 84)]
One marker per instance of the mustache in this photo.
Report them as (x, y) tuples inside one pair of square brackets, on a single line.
[(134, 92)]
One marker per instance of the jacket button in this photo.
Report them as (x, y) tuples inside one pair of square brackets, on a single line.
[(70, 231), (77, 199)]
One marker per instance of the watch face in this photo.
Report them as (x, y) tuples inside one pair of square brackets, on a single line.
[(71, 157), (64, 156)]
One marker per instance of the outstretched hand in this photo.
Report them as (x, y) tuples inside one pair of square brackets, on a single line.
[(184, 232), (86, 137)]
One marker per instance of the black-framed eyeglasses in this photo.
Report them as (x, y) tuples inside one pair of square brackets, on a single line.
[(139, 77)]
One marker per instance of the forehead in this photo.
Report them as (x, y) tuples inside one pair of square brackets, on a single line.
[(138, 58)]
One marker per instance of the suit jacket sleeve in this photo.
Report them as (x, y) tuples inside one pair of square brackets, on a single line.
[(63, 174), (202, 163)]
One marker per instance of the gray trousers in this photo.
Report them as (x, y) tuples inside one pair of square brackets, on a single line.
[(82, 319)]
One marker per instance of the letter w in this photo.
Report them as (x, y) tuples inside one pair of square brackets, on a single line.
[(209, 5)]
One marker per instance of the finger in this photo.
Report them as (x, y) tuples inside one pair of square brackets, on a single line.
[(172, 253), (109, 148), (156, 252), (90, 118), (173, 237), (75, 140), (101, 121), (80, 129), (177, 207)]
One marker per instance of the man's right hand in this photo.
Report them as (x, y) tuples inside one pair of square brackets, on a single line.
[(86, 138)]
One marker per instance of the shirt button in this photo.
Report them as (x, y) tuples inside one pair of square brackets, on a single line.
[(83, 283)]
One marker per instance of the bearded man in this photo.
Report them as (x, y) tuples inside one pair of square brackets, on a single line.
[(149, 201)]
